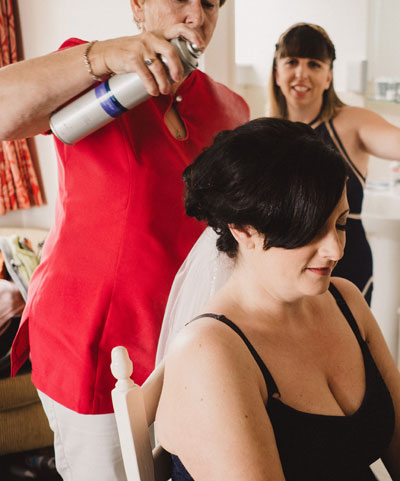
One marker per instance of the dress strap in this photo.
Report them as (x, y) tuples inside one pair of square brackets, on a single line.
[(347, 313), (272, 388), (344, 152)]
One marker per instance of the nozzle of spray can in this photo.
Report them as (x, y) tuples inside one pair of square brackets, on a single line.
[(111, 98)]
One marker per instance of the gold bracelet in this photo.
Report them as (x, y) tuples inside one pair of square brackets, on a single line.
[(87, 62)]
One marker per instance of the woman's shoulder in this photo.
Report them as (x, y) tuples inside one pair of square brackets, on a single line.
[(204, 336), (350, 293), (344, 286), (235, 104), (354, 115), (354, 300), (209, 347)]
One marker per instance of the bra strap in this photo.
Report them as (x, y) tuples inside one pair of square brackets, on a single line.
[(272, 388), (346, 312)]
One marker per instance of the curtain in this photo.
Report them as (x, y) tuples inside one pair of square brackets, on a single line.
[(18, 180)]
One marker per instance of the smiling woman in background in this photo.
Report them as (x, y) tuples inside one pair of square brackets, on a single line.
[(301, 89), (285, 374)]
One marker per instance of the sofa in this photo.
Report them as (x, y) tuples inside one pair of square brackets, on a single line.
[(23, 423)]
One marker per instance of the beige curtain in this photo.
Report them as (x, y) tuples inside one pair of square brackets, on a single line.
[(18, 179)]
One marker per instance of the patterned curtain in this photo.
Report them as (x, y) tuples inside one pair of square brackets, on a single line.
[(18, 180)]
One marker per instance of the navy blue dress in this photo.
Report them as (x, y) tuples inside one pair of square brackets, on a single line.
[(314, 447), (356, 264)]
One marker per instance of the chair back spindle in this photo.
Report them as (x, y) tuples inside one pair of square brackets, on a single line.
[(135, 409)]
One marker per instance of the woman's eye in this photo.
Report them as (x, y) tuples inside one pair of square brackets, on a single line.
[(291, 62), (314, 65), (208, 5)]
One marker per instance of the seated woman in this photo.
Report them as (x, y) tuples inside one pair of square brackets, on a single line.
[(284, 374)]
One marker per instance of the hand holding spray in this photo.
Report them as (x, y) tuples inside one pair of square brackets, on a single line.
[(111, 98)]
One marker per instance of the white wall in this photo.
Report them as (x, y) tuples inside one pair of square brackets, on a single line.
[(219, 58), (384, 39)]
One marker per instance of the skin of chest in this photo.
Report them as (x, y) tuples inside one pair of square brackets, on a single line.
[(319, 370)]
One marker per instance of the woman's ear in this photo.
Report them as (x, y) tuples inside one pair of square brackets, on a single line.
[(244, 236), (329, 79), (137, 7)]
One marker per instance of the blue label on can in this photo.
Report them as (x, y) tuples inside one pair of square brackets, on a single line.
[(107, 100)]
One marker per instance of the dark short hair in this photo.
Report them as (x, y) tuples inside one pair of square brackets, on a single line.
[(272, 174)]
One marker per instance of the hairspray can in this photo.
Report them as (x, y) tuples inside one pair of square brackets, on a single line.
[(111, 98)]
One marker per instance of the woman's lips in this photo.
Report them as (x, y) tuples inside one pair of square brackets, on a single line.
[(320, 271)]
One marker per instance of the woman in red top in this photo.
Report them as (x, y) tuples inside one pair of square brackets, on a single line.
[(120, 232)]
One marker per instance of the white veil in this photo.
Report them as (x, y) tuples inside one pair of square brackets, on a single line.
[(204, 271)]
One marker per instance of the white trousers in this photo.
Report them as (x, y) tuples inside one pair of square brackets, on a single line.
[(86, 446)]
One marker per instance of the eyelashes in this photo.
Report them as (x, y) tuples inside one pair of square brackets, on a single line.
[(342, 227)]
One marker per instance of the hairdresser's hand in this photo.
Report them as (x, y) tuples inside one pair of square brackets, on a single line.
[(128, 54), (53, 79)]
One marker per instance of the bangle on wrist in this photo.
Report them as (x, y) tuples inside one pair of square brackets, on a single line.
[(86, 61)]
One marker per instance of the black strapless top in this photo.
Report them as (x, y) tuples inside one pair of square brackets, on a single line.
[(314, 447)]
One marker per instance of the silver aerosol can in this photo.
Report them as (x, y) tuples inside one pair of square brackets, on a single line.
[(111, 98)]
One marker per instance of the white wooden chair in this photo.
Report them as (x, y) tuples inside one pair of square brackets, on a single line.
[(135, 409)]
